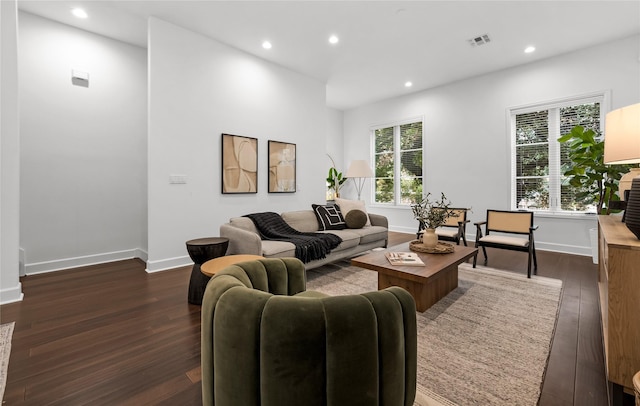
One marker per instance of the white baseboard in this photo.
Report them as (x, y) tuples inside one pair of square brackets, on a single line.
[(407, 230), (564, 249), (11, 295), (67, 263), (21, 260), (169, 263)]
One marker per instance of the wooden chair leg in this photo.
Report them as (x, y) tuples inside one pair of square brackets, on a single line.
[(486, 258), (535, 260), (464, 240), (529, 265)]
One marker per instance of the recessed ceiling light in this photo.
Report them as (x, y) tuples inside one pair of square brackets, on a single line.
[(529, 49), (80, 13), (333, 39), (408, 84), (266, 45)]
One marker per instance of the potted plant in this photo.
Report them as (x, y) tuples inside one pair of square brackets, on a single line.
[(335, 180), (595, 182), (431, 215)]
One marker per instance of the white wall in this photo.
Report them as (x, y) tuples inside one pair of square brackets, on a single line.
[(333, 138), (198, 89), (10, 288), (83, 149), (467, 143)]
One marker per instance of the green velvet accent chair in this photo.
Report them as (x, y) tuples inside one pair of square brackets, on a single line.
[(267, 341)]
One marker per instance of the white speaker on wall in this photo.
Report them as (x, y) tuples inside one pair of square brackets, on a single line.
[(79, 78)]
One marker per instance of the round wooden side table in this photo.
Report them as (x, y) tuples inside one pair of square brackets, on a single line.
[(201, 250), (212, 266)]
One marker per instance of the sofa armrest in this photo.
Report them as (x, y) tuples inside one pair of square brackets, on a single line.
[(378, 220), (241, 241)]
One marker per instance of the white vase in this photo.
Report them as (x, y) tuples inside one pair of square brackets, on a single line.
[(430, 238)]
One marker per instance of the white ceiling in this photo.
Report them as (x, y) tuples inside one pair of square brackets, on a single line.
[(382, 44)]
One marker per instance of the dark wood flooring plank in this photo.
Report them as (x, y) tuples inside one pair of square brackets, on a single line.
[(590, 382)]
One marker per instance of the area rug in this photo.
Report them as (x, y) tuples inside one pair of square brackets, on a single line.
[(487, 342), (6, 331)]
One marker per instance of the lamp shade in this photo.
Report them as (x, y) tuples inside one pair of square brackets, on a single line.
[(359, 169), (622, 136)]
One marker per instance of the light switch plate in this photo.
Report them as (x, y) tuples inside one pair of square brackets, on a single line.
[(177, 179)]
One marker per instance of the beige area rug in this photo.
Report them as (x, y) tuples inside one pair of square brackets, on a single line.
[(485, 343), (6, 331)]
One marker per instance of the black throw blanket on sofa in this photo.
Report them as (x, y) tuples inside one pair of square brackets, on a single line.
[(309, 246)]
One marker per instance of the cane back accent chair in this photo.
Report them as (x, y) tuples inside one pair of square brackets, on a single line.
[(508, 222), (267, 341), (454, 229)]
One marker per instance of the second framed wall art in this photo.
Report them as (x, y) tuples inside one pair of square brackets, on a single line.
[(282, 167)]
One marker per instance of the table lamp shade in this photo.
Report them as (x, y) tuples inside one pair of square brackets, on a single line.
[(622, 136), (622, 146)]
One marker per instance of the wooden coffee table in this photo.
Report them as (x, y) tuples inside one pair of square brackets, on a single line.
[(427, 284)]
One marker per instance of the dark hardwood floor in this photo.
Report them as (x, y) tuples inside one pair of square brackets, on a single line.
[(112, 334)]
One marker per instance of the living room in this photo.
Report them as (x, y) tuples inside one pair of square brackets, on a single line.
[(83, 167)]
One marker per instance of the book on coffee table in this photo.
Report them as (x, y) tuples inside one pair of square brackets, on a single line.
[(404, 258)]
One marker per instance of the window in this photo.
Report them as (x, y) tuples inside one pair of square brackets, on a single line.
[(539, 160), (398, 163)]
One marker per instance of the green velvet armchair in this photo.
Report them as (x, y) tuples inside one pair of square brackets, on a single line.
[(266, 341)]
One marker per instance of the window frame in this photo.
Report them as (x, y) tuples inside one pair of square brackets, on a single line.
[(397, 187), (555, 175)]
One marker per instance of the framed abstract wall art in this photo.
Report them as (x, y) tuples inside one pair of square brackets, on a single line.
[(239, 164), (282, 167)]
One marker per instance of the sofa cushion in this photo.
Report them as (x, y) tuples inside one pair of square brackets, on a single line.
[(302, 220), (370, 234), (347, 205), (349, 239), (280, 249), (329, 217)]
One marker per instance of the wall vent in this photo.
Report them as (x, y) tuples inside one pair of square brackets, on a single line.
[(479, 40)]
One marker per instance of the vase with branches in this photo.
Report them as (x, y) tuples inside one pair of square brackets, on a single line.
[(432, 214)]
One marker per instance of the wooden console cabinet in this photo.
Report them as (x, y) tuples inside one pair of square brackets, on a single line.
[(619, 287)]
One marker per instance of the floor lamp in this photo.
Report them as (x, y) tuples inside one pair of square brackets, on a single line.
[(359, 171), (622, 146)]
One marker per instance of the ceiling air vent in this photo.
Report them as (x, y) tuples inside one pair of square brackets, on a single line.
[(480, 40)]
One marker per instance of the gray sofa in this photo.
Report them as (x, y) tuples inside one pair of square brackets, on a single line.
[(245, 239)]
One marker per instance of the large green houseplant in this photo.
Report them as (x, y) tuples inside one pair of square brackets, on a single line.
[(594, 181)]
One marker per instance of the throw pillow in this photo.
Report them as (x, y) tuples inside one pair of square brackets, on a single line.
[(329, 217), (356, 218), (347, 205)]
